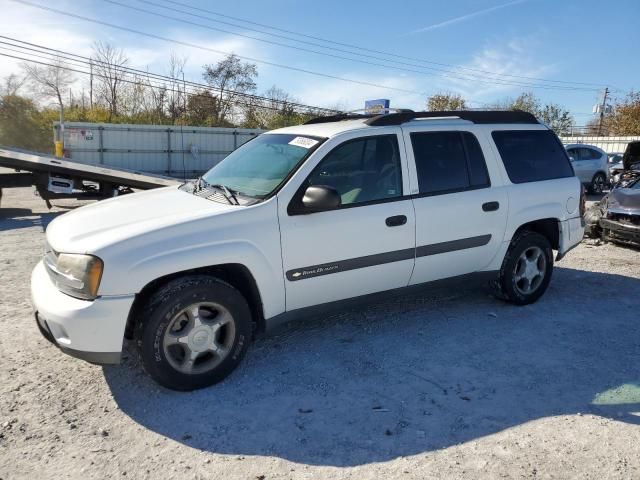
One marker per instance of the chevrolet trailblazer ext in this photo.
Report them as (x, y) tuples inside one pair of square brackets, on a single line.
[(304, 216)]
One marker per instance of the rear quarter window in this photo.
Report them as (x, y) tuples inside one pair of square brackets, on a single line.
[(532, 155)]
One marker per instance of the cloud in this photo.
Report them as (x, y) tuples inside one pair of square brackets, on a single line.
[(507, 58), (348, 96), (465, 17), (75, 36)]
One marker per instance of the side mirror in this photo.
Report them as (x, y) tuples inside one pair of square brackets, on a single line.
[(320, 197), (571, 159)]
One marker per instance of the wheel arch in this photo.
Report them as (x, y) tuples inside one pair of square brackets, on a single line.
[(547, 227), (235, 274)]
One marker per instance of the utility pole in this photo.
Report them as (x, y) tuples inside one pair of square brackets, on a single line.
[(602, 109), (91, 83)]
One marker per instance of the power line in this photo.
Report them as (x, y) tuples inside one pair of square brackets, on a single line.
[(201, 47), (351, 46), (133, 82), (190, 93), (72, 57), (433, 72)]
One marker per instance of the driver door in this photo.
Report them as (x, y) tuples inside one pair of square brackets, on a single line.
[(365, 245)]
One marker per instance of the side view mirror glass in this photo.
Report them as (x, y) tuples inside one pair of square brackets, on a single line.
[(321, 197)]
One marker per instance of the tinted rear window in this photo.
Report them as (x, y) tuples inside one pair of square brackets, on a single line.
[(532, 155), (448, 162)]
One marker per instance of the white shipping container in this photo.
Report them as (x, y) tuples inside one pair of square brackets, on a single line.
[(608, 144), (160, 149)]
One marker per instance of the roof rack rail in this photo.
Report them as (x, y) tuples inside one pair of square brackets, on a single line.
[(354, 115), (475, 116), (398, 116)]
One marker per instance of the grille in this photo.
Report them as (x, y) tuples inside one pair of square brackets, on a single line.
[(625, 218)]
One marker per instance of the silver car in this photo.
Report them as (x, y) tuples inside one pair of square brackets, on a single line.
[(591, 166)]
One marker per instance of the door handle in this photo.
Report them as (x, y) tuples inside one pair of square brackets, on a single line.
[(396, 221), (490, 206)]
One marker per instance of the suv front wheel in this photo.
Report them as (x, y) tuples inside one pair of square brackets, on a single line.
[(193, 333), (526, 269)]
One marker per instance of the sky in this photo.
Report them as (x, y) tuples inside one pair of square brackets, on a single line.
[(564, 52)]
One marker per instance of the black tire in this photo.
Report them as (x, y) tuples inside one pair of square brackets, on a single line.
[(160, 312), (598, 183), (506, 286)]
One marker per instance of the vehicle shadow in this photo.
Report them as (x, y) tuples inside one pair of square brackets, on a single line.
[(410, 375), (17, 218)]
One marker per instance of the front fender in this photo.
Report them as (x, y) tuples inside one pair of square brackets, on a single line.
[(250, 237)]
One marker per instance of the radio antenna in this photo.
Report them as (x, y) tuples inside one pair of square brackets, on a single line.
[(184, 103)]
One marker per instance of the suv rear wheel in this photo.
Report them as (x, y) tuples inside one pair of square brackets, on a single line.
[(194, 332), (526, 269)]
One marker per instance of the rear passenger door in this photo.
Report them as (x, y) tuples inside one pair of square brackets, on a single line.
[(461, 207)]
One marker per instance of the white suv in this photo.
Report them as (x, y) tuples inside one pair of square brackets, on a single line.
[(303, 217)]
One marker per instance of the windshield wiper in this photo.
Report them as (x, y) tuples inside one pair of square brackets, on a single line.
[(226, 192), (199, 184)]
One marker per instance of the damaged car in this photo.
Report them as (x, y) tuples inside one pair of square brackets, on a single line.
[(616, 217)]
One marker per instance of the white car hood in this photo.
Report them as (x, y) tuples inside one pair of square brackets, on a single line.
[(92, 227)]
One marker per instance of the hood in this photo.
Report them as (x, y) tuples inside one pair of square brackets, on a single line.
[(90, 228), (631, 157), (625, 199)]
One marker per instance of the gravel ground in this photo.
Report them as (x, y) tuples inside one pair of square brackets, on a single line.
[(446, 384)]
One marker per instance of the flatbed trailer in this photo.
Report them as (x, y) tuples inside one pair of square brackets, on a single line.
[(61, 178)]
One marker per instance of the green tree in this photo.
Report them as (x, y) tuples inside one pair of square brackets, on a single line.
[(230, 78), (625, 119), (446, 101), (21, 125), (558, 118)]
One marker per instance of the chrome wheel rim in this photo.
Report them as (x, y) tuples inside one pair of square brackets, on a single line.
[(530, 270), (199, 338)]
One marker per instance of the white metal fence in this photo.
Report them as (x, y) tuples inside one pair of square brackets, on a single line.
[(160, 149), (608, 144)]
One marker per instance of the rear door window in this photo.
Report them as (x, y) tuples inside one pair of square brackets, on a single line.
[(591, 154), (532, 155), (448, 162)]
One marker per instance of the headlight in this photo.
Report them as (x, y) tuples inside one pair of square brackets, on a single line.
[(75, 274)]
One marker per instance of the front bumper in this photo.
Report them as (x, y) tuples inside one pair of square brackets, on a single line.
[(90, 330), (620, 232)]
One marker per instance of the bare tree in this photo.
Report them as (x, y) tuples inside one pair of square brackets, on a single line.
[(51, 81), (230, 78), (176, 100), (11, 84), (109, 63)]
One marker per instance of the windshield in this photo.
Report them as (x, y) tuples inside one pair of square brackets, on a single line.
[(259, 166)]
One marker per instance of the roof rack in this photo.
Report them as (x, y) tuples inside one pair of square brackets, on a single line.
[(475, 116), (354, 115), (401, 116)]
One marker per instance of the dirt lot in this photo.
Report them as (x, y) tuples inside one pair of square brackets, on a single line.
[(448, 384)]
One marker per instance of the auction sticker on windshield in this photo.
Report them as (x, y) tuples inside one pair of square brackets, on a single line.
[(303, 142)]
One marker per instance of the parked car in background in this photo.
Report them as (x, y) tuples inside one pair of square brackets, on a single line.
[(591, 166), (628, 168), (615, 163), (616, 217)]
